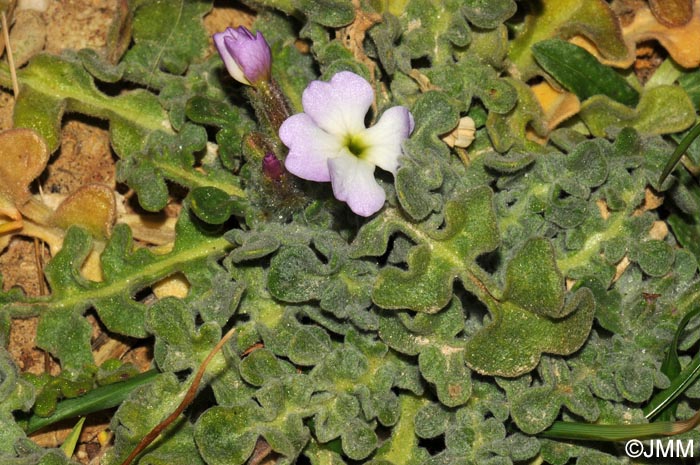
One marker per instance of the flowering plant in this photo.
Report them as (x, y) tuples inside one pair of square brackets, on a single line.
[(531, 279), (329, 141)]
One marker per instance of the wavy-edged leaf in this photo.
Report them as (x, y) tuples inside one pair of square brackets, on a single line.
[(661, 110), (15, 394), (145, 408), (427, 285), (126, 270), (440, 351)]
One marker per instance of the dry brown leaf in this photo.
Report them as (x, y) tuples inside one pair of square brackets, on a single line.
[(92, 207), (681, 42), (462, 135), (28, 36), (658, 231), (119, 34), (175, 285), (8, 8), (603, 208), (557, 106), (23, 157), (353, 35), (672, 13)]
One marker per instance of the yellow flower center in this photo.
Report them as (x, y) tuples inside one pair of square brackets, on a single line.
[(355, 145)]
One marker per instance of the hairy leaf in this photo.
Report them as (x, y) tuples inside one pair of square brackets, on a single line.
[(593, 20)]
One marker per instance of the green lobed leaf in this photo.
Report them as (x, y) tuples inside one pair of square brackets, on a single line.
[(166, 36), (440, 351), (332, 13), (509, 129), (427, 285), (211, 204), (535, 407), (402, 448), (528, 335), (54, 85), (661, 110), (227, 435), (533, 280), (434, 115), (66, 334), (488, 14), (342, 285), (15, 394), (145, 408)]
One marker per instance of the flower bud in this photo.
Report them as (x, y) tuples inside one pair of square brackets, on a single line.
[(272, 167), (247, 57)]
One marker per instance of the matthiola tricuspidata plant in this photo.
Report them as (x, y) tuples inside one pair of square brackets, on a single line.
[(329, 141), (496, 270)]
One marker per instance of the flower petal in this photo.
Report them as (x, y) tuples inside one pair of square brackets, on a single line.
[(309, 148), (247, 57), (340, 105), (353, 182), (384, 139), (251, 53), (231, 66)]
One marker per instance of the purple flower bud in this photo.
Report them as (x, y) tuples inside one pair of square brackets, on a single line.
[(247, 57), (272, 167)]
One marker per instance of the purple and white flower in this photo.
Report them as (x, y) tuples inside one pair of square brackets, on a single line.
[(247, 57), (329, 141)]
